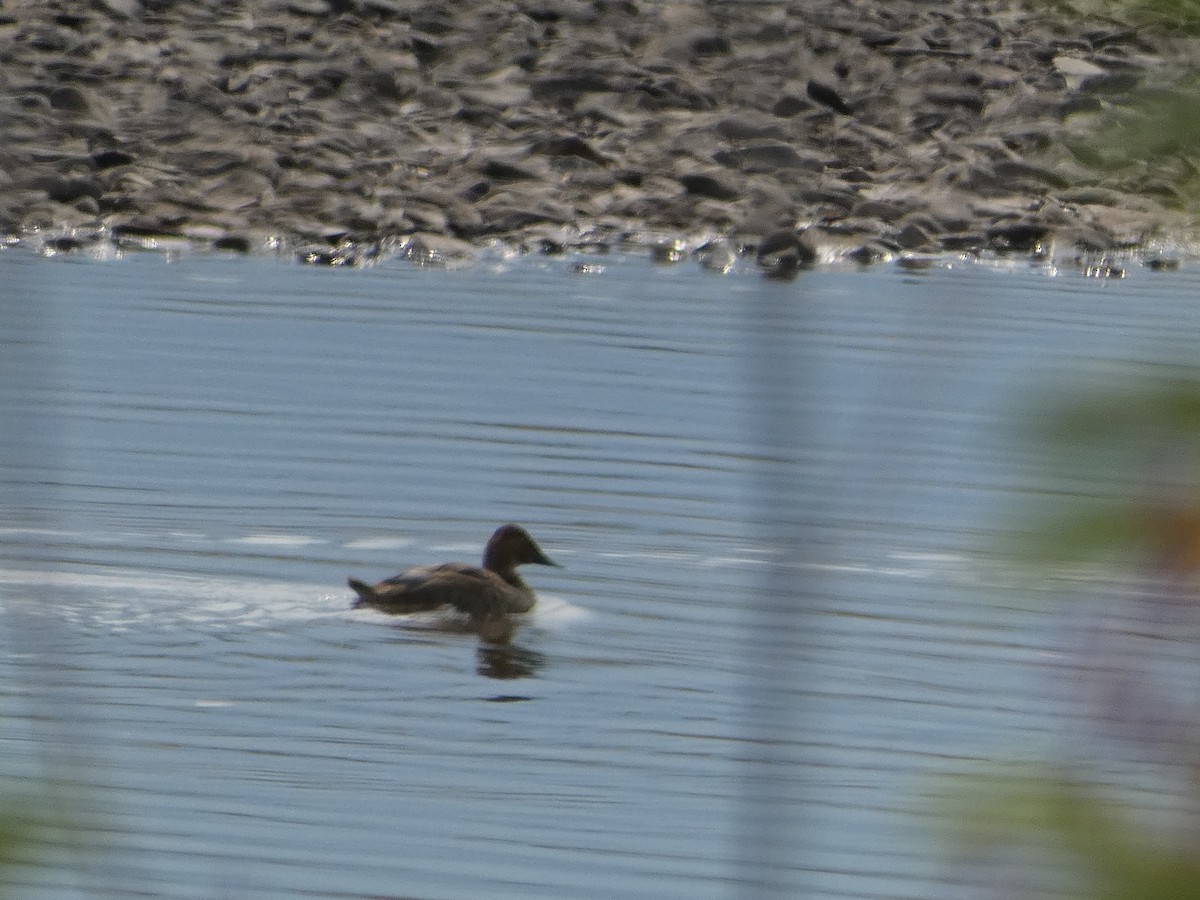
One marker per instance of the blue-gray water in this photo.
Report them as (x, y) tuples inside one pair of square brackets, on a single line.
[(197, 451)]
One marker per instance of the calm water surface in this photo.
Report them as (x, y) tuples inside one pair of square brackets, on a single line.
[(774, 629)]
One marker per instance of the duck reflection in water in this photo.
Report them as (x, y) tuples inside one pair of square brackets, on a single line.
[(508, 662), (489, 595)]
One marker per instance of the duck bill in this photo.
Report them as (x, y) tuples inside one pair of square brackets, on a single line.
[(544, 560)]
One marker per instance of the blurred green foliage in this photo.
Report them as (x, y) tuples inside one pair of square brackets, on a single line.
[(1171, 16), (23, 826), (1139, 134), (1124, 455), (1110, 856), (1146, 142), (1120, 455)]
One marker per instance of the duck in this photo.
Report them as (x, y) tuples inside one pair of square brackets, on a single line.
[(488, 594)]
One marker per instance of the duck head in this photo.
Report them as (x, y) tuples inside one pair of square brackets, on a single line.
[(511, 546)]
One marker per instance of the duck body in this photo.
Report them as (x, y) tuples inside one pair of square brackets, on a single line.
[(469, 589), (485, 593)]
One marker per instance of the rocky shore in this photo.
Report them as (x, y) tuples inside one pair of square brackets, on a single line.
[(342, 130)]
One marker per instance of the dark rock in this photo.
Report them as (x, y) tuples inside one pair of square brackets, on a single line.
[(887, 210), (238, 189), (63, 244), (386, 85), (1162, 263), (668, 252), (426, 50), (717, 256), (431, 19), (87, 205), (709, 186), (47, 40), (828, 195), (929, 121), (741, 128), (108, 159), (788, 105), (511, 215), (867, 255), (768, 157), (913, 237), (69, 99), (476, 191), (827, 96), (916, 263), (128, 9), (963, 243), (1113, 83), (558, 88), (436, 250), (317, 8), (233, 242), (877, 38), (1012, 170), (783, 253), (1025, 237), (570, 145), (32, 104), (68, 190), (138, 231), (208, 162), (500, 170), (665, 93), (711, 45), (1079, 103), (973, 101)]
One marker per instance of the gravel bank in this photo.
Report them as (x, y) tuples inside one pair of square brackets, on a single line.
[(342, 129)]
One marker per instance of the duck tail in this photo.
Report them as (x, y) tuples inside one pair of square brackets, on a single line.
[(365, 592)]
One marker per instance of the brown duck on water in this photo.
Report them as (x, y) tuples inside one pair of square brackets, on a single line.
[(487, 594)]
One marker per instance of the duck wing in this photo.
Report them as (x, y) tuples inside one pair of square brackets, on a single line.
[(469, 589)]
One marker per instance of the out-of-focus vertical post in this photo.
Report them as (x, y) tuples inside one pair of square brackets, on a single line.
[(772, 843), (31, 632)]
